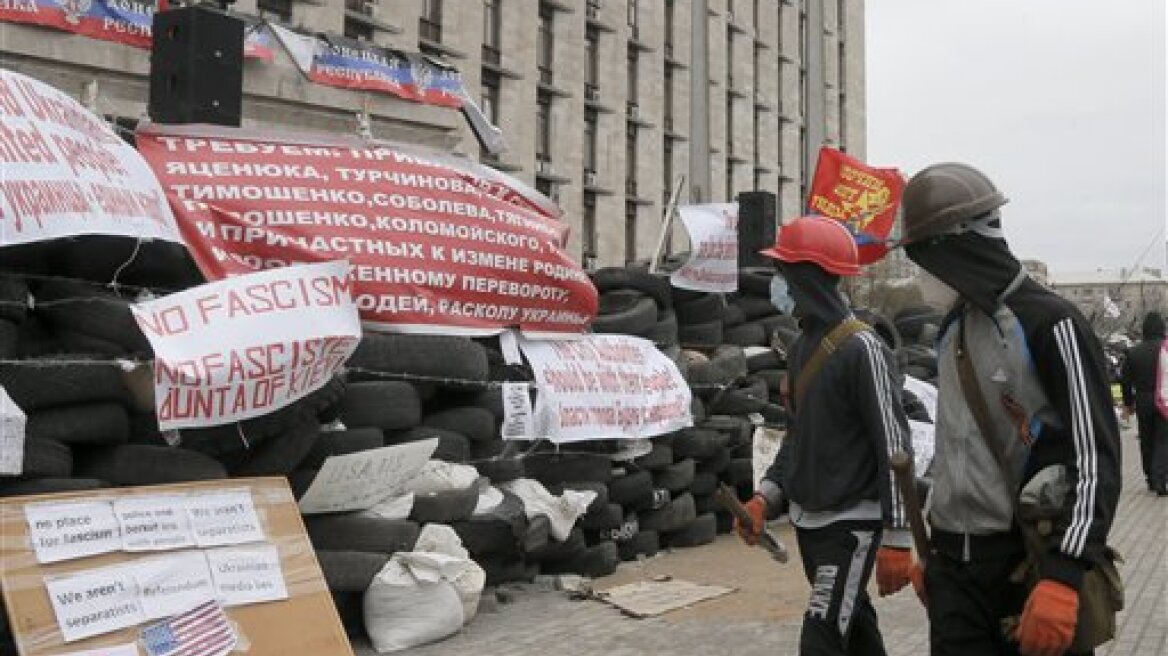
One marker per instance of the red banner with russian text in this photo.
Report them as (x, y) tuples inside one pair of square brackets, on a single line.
[(435, 244), (862, 197)]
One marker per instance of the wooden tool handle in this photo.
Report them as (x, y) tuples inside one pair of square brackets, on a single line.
[(902, 469)]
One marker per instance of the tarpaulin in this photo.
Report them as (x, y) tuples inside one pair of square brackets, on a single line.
[(862, 197), (436, 244)]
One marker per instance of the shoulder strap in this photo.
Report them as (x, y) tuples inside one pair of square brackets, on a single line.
[(977, 403), (827, 346)]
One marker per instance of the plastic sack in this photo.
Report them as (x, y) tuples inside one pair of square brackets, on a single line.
[(562, 512), (439, 476), (924, 444), (424, 595), (489, 500), (766, 446)]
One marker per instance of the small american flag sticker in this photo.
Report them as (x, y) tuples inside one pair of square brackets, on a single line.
[(201, 631)]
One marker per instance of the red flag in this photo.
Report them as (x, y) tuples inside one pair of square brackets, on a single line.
[(863, 197)]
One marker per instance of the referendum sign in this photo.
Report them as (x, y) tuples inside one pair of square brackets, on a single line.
[(66, 173), (862, 197), (247, 346), (606, 387), (436, 244), (713, 262)]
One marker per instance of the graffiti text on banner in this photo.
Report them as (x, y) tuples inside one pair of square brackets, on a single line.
[(250, 345), (606, 387), (435, 245)]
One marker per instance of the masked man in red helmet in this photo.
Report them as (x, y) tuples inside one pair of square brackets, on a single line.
[(1025, 430), (833, 466)]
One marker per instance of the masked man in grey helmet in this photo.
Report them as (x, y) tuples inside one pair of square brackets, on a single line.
[(1023, 389)]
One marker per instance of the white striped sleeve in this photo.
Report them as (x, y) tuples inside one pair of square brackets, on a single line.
[(1083, 436), (891, 424)]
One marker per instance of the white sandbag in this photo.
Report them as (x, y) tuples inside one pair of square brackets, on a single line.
[(489, 499), (439, 476), (562, 512), (403, 610), (766, 446), (628, 450)]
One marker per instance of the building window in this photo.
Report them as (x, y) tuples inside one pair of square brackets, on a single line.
[(667, 169), (489, 103), (630, 232), (430, 24), (544, 186), (545, 44), (631, 159), (633, 16), (358, 31), (543, 128), (668, 28), (491, 32), (632, 77), (590, 119), (591, 47), (280, 11), (668, 98), (588, 244)]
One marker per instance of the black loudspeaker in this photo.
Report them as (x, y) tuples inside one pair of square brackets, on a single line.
[(757, 223), (196, 67)]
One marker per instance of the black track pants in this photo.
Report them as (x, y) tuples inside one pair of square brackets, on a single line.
[(840, 619)]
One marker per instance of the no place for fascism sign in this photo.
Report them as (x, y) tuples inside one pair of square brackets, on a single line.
[(436, 244), (250, 345)]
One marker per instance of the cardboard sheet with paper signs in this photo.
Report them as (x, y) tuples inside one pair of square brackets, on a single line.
[(90, 570)]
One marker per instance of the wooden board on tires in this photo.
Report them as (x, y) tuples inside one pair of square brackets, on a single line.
[(305, 622)]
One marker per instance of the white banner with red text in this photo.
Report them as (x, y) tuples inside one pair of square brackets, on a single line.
[(250, 345), (713, 261), (605, 387), (67, 173), (437, 244)]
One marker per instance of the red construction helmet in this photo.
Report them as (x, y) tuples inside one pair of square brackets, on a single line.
[(818, 240)]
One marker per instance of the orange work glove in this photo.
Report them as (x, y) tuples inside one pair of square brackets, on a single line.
[(893, 569), (1048, 620), (757, 508), (917, 576)]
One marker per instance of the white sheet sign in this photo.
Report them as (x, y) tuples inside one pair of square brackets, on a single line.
[(12, 425), (606, 387), (67, 173), (247, 575), (224, 518), (64, 531), (247, 346), (95, 601), (713, 262), (359, 481)]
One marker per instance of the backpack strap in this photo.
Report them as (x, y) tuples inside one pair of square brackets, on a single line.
[(827, 346)]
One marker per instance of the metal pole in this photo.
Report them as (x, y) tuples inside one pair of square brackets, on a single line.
[(666, 224)]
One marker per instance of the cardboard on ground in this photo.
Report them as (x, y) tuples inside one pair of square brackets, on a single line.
[(305, 623)]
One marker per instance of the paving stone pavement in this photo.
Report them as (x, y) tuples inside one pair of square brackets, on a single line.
[(763, 617)]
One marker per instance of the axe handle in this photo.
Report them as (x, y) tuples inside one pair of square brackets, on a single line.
[(729, 501), (902, 469)]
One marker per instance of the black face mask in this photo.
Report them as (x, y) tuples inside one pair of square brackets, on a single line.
[(980, 268), (815, 292)]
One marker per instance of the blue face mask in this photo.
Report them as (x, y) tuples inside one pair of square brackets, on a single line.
[(781, 295)]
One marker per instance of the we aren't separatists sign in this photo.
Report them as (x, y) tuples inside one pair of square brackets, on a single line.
[(250, 345), (436, 244), (605, 387)]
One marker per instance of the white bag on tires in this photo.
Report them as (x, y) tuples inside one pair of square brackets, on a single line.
[(424, 595)]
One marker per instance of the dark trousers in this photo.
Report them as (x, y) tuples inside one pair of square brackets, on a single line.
[(1153, 434), (969, 600), (840, 619)]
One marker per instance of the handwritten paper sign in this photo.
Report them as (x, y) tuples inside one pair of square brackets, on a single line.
[(171, 584), (96, 601), (12, 424), (154, 523), (713, 263), (606, 387), (250, 345), (247, 575), (359, 481), (518, 423), (224, 518), (64, 531)]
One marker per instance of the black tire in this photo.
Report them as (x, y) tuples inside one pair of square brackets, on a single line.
[(755, 281), (351, 609), (661, 456), (477, 424), (452, 447), (702, 530), (350, 571), (715, 464), (676, 477), (767, 360), (644, 543), (665, 332), (704, 309), (388, 405), (653, 286), (604, 518), (775, 380), (501, 470), (483, 536), (738, 430), (706, 504), (748, 334), (351, 532), (14, 298), (537, 534), (733, 316), (503, 570), (704, 483), (697, 409), (745, 398), (339, 443), (700, 335), (49, 486), (698, 444), (739, 472), (726, 365), (455, 358), (9, 340), (69, 341), (278, 455), (637, 320), (574, 545), (47, 459), (618, 301), (725, 522), (300, 479), (36, 385), (675, 515), (756, 307), (134, 464), (444, 507), (82, 308), (596, 561), (96, 423), (490, 400), (552, 468), (633, 491)]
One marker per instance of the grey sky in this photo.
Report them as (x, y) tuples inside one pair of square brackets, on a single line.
[(1061, 102)]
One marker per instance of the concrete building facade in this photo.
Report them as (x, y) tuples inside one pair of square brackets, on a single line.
[(606, 105), (1133, 293)]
